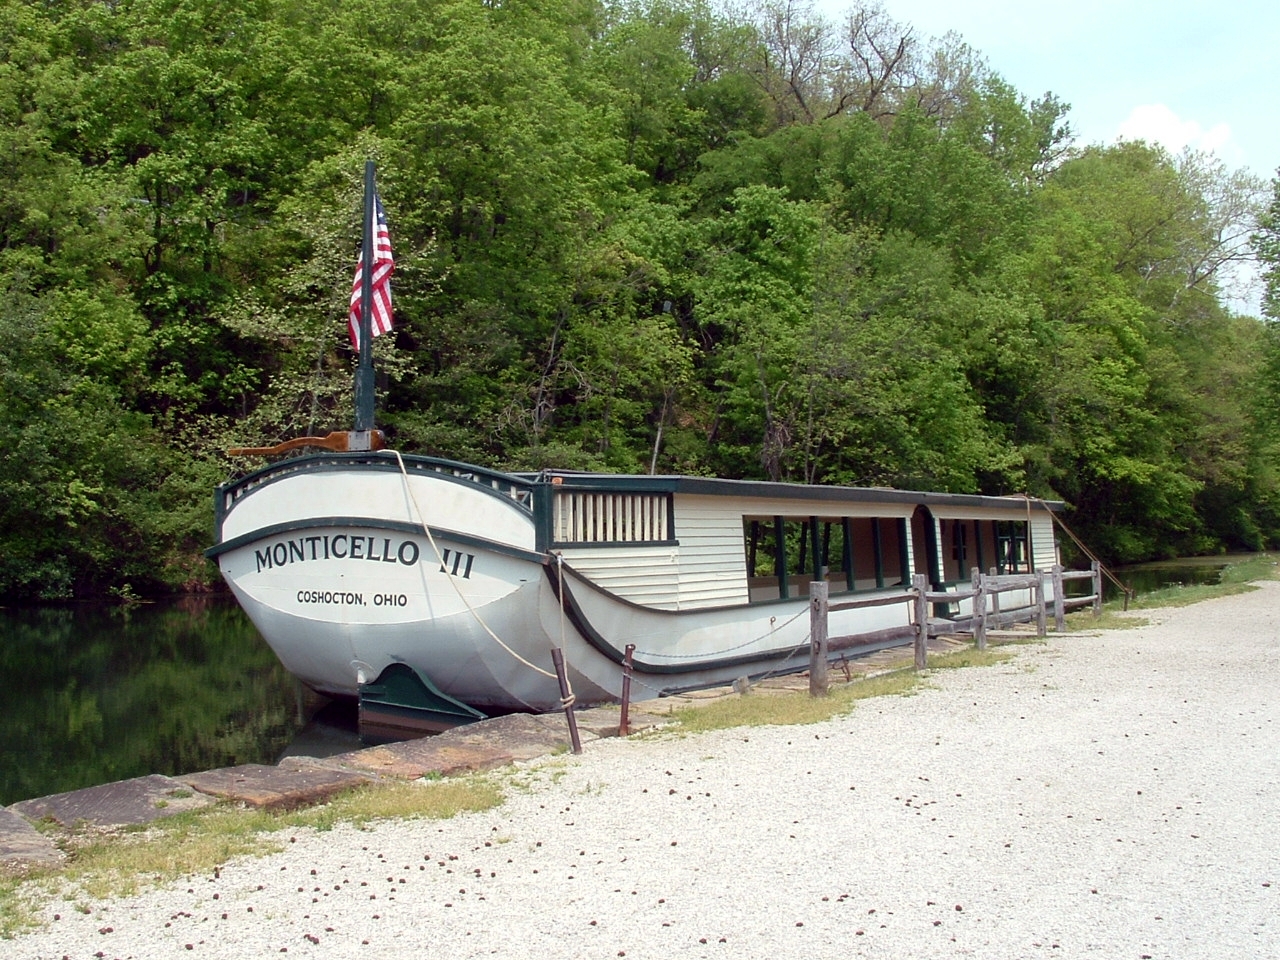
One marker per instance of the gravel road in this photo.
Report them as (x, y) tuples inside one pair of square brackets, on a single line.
[(1107, 796)]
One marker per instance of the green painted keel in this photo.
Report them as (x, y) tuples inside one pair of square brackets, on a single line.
[(402, 704)]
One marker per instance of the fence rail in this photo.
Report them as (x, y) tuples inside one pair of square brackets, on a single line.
[(984, 591)]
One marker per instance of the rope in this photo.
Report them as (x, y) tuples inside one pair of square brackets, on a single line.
[(458, 590), (764, 676), (1078, 542), (774, 628)]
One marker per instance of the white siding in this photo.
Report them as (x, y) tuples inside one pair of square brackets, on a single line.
[(713, 561), (1044, 549), (708, 568), (644, 575)]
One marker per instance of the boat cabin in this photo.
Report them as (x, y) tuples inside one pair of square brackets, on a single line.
[(683, 543)]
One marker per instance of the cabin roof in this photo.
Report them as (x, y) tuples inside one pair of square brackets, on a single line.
[(765, 489)]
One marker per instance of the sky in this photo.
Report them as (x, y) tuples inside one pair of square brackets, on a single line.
[(1178, 72), (1181, 73)]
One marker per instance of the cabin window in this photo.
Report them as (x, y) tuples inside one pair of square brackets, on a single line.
[(1013, 554), (961, 549), (785, 554), (612, 518)]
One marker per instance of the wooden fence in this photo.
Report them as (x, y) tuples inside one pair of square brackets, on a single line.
[(985, 590)]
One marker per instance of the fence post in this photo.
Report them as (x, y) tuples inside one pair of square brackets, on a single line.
[(1042, 626), (818, 683), (624, 719), (1059, 607), (1096, 567), (979, 609), (995, 600), (920, 583)]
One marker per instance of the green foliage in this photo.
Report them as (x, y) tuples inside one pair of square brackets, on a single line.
[(633, 236)]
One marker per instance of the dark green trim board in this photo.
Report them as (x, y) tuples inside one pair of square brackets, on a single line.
[(904, 555), (543, 516), (932, 547), (850, 575), (374, 523), (780, 558), (815, 548), (878, 546)]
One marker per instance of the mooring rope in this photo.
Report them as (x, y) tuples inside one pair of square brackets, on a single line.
[(458, 590), (1078, 542), (773, 628), (777, 664)]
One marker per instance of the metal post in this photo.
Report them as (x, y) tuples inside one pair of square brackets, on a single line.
[(979, 608), (557, 657), (624, 722), (920, 583), (1096, 567), (818, 682)]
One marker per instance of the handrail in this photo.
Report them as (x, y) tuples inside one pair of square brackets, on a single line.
[(919, 596)]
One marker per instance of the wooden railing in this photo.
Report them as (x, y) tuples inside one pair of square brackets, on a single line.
[(985, 591)]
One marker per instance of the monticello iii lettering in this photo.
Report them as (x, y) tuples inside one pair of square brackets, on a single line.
[(345, 546)]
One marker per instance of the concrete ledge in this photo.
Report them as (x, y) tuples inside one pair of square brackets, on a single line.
[(22, 845), (273, 788), (125, 803)]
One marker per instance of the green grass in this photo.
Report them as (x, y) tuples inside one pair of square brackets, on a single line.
[(797, 707), (1236, 578), (119, 864)]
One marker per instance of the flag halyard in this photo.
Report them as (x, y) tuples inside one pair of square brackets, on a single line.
[(380, 285)]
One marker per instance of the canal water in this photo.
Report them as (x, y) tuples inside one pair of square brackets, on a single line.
[(95, 694), (1146, 577)]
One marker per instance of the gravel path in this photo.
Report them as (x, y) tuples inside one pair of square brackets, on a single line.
[(1110, 796)]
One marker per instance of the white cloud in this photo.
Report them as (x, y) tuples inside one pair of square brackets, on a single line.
[(1156, 123)]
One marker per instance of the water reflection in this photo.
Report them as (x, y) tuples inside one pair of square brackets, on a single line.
[(1146, 577), (95, 694)]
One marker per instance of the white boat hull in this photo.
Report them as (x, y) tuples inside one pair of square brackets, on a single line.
[(349, 564)]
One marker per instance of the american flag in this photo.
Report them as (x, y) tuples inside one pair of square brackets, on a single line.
[(380, 287)]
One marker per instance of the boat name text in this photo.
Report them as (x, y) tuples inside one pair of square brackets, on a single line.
[(343, 546), (339, 546)]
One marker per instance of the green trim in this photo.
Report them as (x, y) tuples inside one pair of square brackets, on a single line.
[(543, 516), (878, 546), (932, 546), (815, 549), (904, 560), (850, 575), (375, 523), (780, 557)]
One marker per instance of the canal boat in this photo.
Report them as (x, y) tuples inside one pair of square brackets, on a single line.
[(373, 568), (434, 591)]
